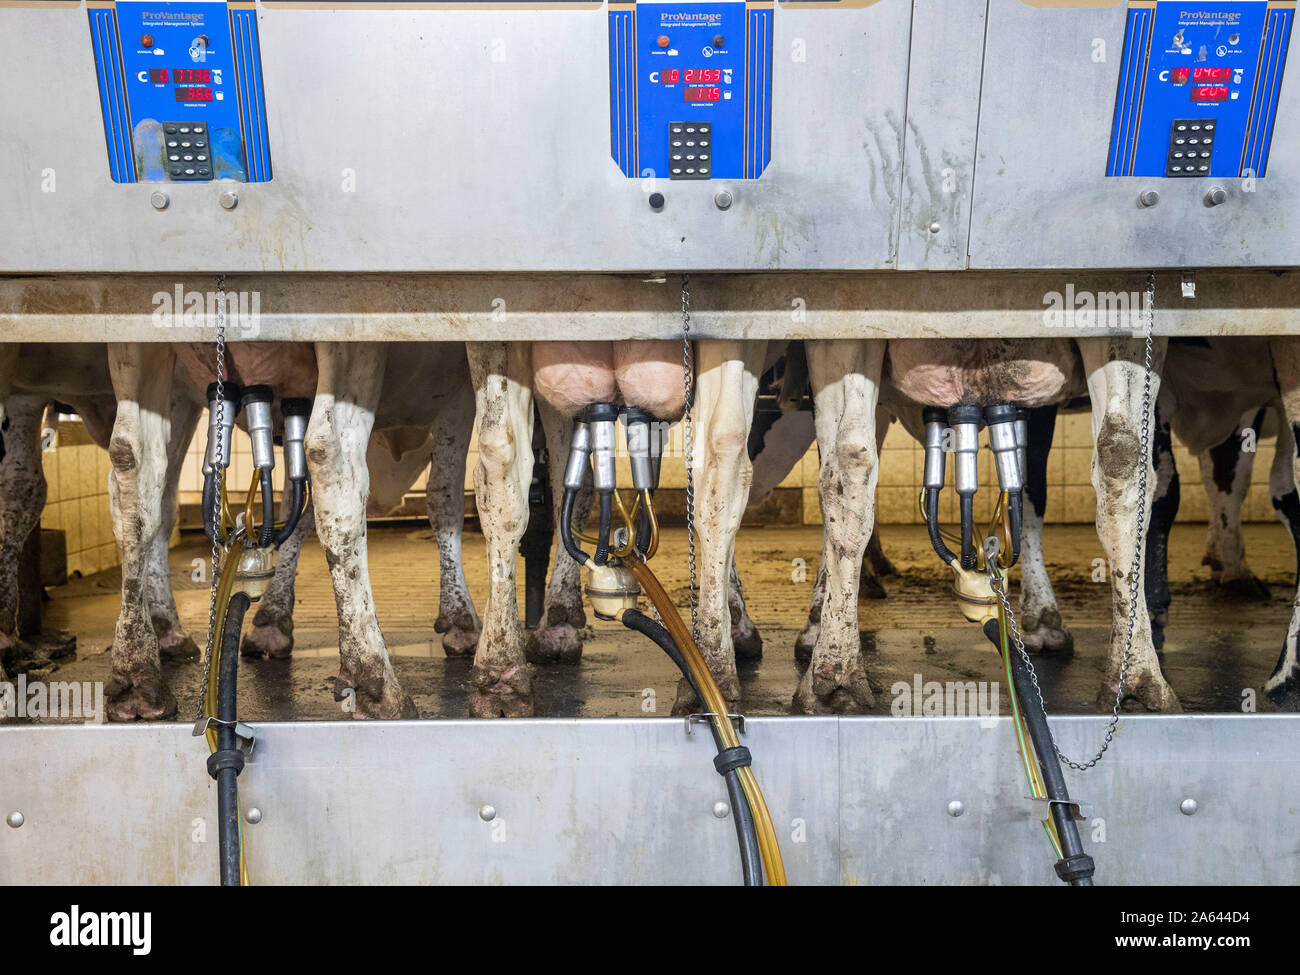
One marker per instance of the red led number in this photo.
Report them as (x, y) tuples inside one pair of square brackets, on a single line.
[(702, 94), (703, 75), (1200, 75), (671, 76), (1179, 76), (1210, 93)]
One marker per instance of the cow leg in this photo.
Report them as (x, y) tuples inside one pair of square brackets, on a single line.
[(808, 637), (142, 382), (875, 565), (1040, 617), (272, 633), (1226, 471), (503, 396), (351, 376), (726, 383), (173, 641), (559, 638), (846, 389), (1115, 379), (22, 499), (452, 430), (1283, 685), (1164, 508)]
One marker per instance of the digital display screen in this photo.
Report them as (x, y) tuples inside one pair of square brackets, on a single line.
[(1202, 75), (194, 94), (703, 94), (1210, 93), (692, 76), (157, 75), (191, 76), (1179, 76)]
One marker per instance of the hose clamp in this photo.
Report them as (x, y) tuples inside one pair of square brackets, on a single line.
[(247, 740), (704, 717)]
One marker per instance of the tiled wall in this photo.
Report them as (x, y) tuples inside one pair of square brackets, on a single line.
[(1070, 498), (76, 475)]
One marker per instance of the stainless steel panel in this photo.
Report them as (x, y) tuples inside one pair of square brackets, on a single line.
[(943, 95), (1042, 197), (854, 800), (458, 140)]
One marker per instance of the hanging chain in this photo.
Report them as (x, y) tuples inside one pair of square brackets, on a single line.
[(688, 446), (1135, 570), (220, 477)]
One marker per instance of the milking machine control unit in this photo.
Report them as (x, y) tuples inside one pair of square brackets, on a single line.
[(691, 88), (180, 86), (1198, 89)]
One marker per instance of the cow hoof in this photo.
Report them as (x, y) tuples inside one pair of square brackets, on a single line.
[(460, 642), (1045, 638), (175, 645), (501, 692), (688, 703), (273, 640), (1148, 690), (804, 643), (1246, 588), (142, 698), (869, 587), (382, 699), (746, 640), (831, 689), (1286, 695), (557, 643)]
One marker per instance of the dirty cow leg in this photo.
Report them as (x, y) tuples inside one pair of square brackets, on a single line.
[(271, 635), (173, 641), (1283, 685), (811, 632), (1164, 508), (1040, 617), (1226, 471), (1115, 377), (142, 382), (351, 375), (452, 428), (504, 399), (22, 498), (726, 383), (559, 638), (846, 388)]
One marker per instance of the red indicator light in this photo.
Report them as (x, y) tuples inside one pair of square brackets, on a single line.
[(1200, 75), (1210, 93), (1179, 76), (702, 94)]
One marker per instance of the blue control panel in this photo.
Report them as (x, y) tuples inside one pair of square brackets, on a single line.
[(180, 84), (690, 88), (1199, 85)]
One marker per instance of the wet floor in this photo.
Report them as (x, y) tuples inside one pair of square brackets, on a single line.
[(1219, 649)]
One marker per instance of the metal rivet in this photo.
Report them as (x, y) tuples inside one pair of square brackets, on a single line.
[(1216, 196), (253, 816), (159, 200), (1149, 198), (229, 199), (15, 819), (721, 810), (934, 227), (487, 812), (1188, 807), (723, 199), (656, 201), (956, 808)]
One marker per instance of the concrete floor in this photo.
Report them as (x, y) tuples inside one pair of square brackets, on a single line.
[(1217, 649)]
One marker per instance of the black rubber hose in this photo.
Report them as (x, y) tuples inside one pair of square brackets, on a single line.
[(297, 507), (566, 527), (1015, 518), (266, 534), (227, 743), (932, 522), (1075, 867), (211, 510), (602, 534), (967, 531), (746, 831)]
